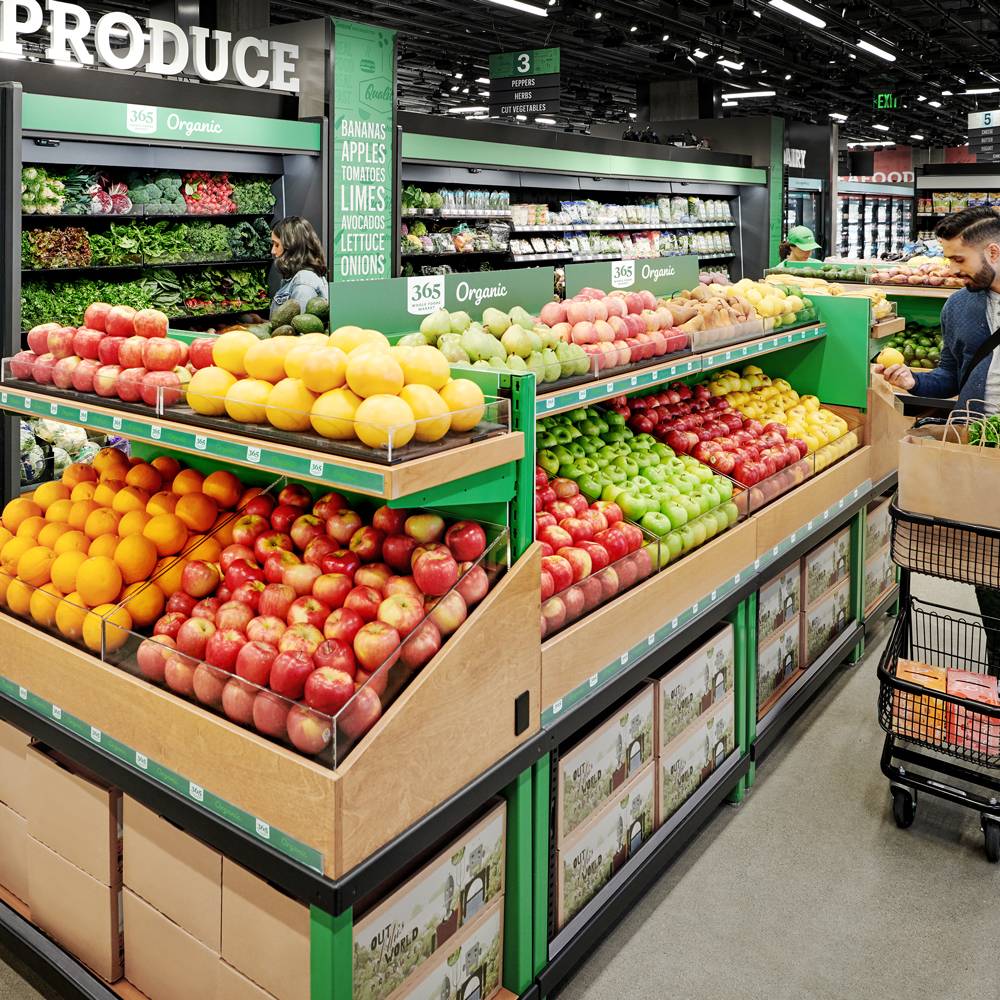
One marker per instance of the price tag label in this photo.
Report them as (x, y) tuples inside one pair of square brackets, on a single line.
[(27, 403), (550, 404), (22, 693), (424, 294), (83, 416), (611, 387), (317, 468), (633, 380), (622, 274), (200, 442), (253, 454), (650, 639), (695, 606), (116, 423), (155, 431), (557, 707), (593, 680), (714, 592), (196, 791), (623, 659), (95, 734), (582, 394), (141, 761), (3, 397), (53, 408), (673, 624), (262, 828), (56, 712)]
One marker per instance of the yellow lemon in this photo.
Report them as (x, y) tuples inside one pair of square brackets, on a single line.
[(332, 414), (289, 405), (246, 400), (374, 373), (466, 402), (206, 392), (383, 420), (230, 350), (430, 411)]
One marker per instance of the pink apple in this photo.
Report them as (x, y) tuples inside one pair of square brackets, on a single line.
[(332, 589), (199, 578), (401, 585), (209, 684), (579, 560), (249, 594), (254, 660), (338, 654), (183, 603), (231, 553), (248, 529), (62, 371), (234, 616), (302, 638), (341, 561), (342, 525), (473, 583), (305, 528), (435, 573), (161, 354), (328, 504), (360, 714), (448, 612), (328, 689), (150, 323), (374, 575), (269, 543), (270, 715), (284, 516), (38, 337), (120, 321), (237, 701), (296, 496), (224, 646), (21, 365), (289, 672), (420, 646), (397, 551), (366, 543), (109, 350), (276, 564), (376, 645), (179, 674), (151, 657), (365, 601), (425, 527), (403, 612), (467, 540), (130, 383), (301, 577), (207, 609), (309, 732), (318, 549), (275, 600), (130, 353), (390, 521), (105, 379), (344, 624), (61, 342), (201, 352), (169, 624), (308, 611), (266, 628)]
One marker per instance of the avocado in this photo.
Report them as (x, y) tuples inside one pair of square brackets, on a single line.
[(318, 307), (307, 323), (284, 313), (262, 331), (285, 330)]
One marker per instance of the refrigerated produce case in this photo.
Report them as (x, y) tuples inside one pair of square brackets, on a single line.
[(804, 207), (873, 220)]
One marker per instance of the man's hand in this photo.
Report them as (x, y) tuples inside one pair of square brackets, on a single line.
[(897, 375)]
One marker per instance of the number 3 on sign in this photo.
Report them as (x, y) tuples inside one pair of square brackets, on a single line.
[(424, 295), (523, 62)]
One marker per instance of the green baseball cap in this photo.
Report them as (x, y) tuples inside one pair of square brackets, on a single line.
[(802, 237)]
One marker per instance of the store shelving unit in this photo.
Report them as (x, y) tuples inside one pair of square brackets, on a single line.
[(873, 219)]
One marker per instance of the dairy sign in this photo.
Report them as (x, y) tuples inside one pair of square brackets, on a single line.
[(659, 275), (159, 47)]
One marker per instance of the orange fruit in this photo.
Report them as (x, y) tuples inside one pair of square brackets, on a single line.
[(133, 522), (224, 488), (98, 580), (167, 466), (71, 541), (188, 481), (59, 511), (102, 522), (163, 502), (83, 491), (103, 545), (51, 534), (19, 598), (222, 531), (134, 460), (106, 628), (144, 602), (167, 532), (130, 498), (43, 605), (35, 566), (77, 473), (197, 511), (80, 511), (70, 615), (109, 459), (136, 557), (106, 490), (5, 536), (167, 574), (48, 493), (146, 477), (31, 527), (466, 402), (65, 568), (11, 554), (204, 547), (5, 582), (18, 510)]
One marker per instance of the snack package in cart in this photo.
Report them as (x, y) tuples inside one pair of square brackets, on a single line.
[(973, 730)]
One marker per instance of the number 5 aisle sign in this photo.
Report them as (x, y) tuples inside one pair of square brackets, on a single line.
[(524, 83)]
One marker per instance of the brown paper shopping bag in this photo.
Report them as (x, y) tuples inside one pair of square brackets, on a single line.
[(887, 424)]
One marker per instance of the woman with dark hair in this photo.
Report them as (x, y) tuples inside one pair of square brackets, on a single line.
[(298, 254)]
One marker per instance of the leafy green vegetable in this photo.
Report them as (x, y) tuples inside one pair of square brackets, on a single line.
[(253, 196), (58, 247), (985, 432), (121, 244)]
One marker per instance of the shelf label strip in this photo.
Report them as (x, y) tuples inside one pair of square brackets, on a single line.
[(280, 841)]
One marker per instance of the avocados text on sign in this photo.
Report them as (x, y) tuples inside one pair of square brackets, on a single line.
[(163, 48)]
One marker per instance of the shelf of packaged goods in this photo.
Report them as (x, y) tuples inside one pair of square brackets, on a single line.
[(799, 694), (432, 214), (387, 481), (453, 253), (715, 256), (577, 940), (585, 227), (50, 272), (28, 220), (652, 374), (917, 291)]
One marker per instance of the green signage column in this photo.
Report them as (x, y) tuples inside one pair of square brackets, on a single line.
[(361, 168)]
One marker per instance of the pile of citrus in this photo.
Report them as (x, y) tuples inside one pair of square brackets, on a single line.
[(350, 384), (104, 543)]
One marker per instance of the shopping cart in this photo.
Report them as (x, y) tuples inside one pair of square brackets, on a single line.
[(941, 744)]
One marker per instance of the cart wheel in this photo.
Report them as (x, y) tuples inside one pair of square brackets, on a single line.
[(991, 833), (904, 808)]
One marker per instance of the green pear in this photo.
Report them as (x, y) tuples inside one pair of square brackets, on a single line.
[(536, 364), (537, 343), (521, 317), (476, 343), (498, 364), (516, 364), (493, 348), (435, 324), (413, 340), (567, 363), (482, 364), (553, 369), (517, 340), (496, 321), (581, 360), (460, 322), (454, 353)]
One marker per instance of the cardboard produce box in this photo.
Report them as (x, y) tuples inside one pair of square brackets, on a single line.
[(162, 959), (778, 602), (878, 526), (174, 873), (75, 814), (469, 968), (610, 757), (233, 985), (265, 934), (691, 758), (14, 768), (919, 716), (697, 683), (76, 910), (825, 567), (13, 853), (587, 861), (778, 661), (824, 621), (880, 576), (426, 912)]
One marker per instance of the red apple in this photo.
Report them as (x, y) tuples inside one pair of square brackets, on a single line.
[(473, 583), (579, 559), (130, 384), (448, 612), (310, 732), (376, 645), (151, 656), (208, 608), (276, 564), (328, 689), (270, 715), (234, 616), (338, 654), (614, 541), (237, 701), (305, 528), (162, 389), (242, 571), (231, 553), (420, 646), (573, 602), (561, 570), (201, 352), (341, 561), (96, 315), (425, 527), (343, 624), (579, 529), (295, 495), (360, 714), (332, 589), (192, 638), (161, 354), (561, 509), (317, 549), (548, 587), (283, 517), (403, 612), (169, 624), (254, 660), (62, 371), (593, 593), (105, 378), (342, 525), (270, 543), (553, 614), (301, 577), (179, 674), (38, 337), (366, 543), (390, 521), (261, 504), (289, 672), (302, 638), (401, 585), (182, 602), (21, 365), (397, 551), (61, 342), (266, 628), (109, 350), (555, 536), (308, 611), (130, 353), (374, 575), (150, 323), (435, 573), (199, 578), (248, 529), (610, 582), (599, 557), (209, 683), (249, 594), (543, 519), (120, 321), (275, 600), (365, 601), (328, 504), (467, 540), (224, 646)]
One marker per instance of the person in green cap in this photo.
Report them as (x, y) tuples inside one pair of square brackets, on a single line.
[(799, 244)]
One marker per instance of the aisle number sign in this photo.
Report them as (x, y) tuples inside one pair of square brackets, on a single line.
[(525, 82), (984, 129)]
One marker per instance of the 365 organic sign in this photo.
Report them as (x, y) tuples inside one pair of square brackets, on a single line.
[(660, 275), (164, 48)]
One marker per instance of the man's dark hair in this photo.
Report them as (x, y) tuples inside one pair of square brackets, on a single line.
[(976, 226)]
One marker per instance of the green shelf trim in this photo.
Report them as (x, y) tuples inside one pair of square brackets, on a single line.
[(542, 777), (858, 577), (442, 149), (518, 957), (313, 469), (280, 841), (99, 119), (778, 342), (488, 486), (331, 954), (751, 674), (521, 389), (738, 619), (662, 634)]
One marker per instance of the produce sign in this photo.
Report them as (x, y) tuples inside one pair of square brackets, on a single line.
[(525, 82), (364, 67), (661, 277)]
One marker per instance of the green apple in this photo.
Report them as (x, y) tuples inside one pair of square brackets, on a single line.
[(612, 491), (548, 461), (687, 537), (602, 463), (645, 442), (708, 522), (633, 506), (618, 434), (682, 484), (665, 491), (657, 523), (615, 474), (603, 426), (613, 419), (663, 451), (731, 511), (629, 467), (577, 416), (709, 490), (655, 473), (563, 435), (700, 534), (546, 440), (591, 446), (673, 510), (641, 484), (575, 449), (647, 458), (563, 453), (674, 544), (691, 505), (724, 487), (590, 427), (721, 519), (673, 465), (608, 452), (589, 487), (703, 473), (687, 477)]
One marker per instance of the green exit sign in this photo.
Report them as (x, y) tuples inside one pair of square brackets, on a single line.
[(885, 101)]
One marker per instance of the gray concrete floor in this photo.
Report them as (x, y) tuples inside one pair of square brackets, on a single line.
[(806, 891)]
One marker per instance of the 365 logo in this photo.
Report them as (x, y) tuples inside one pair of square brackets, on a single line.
[(140, 119)]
